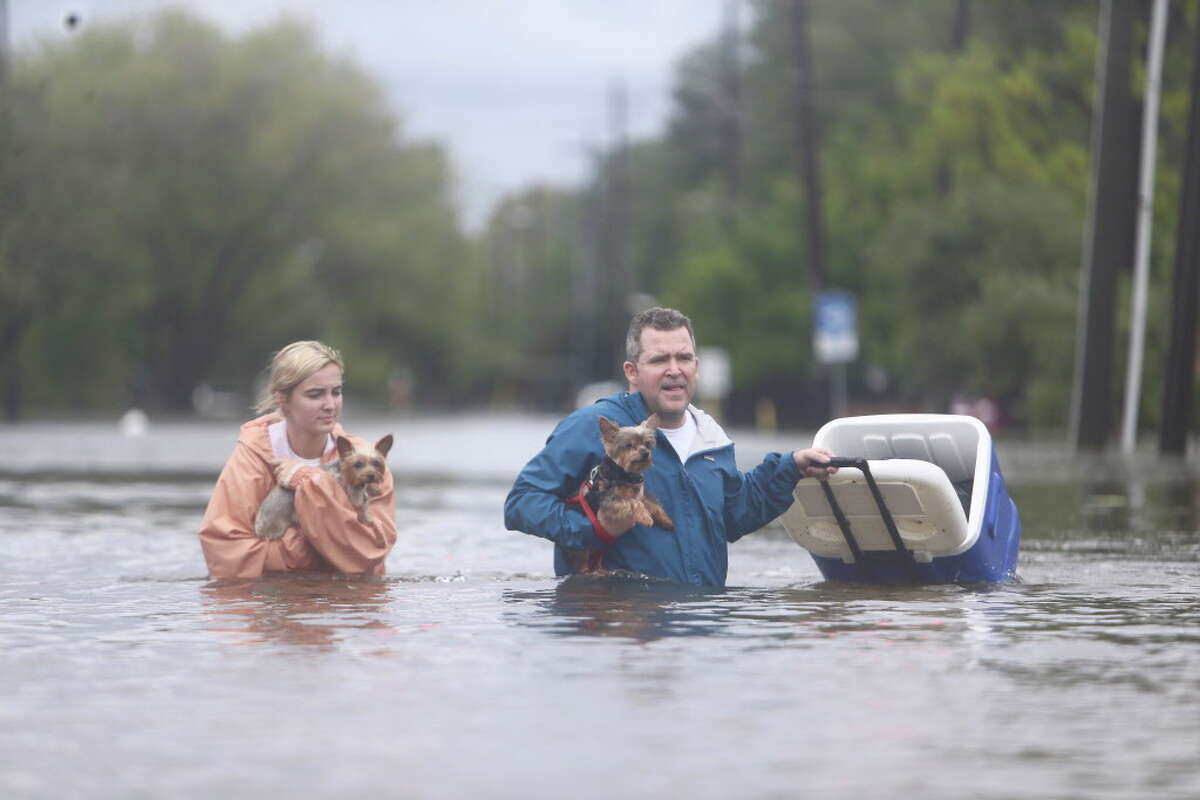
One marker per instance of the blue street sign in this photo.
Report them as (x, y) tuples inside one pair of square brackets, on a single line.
[(835, 327)]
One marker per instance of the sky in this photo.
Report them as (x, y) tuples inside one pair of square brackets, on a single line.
[(518, 90)]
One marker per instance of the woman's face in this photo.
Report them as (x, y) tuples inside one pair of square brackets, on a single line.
[(315, 405)]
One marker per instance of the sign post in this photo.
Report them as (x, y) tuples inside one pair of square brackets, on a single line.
[(835, 340)]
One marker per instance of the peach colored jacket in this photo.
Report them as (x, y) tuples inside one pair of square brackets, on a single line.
[(329, 537)]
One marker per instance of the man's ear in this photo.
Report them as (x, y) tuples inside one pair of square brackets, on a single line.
[(631, 374)]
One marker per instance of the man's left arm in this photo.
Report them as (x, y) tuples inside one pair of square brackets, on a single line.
[(754, 498)]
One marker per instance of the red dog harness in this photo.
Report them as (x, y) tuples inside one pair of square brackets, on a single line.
[(595, 557)]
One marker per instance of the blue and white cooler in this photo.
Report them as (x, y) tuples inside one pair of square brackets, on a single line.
[(918, 499)]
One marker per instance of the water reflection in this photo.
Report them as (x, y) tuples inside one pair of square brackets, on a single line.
[(307, 610), (958, 615), (635, 608), (622, 605)]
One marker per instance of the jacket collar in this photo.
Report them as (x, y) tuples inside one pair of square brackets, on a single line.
[(709, 434), (254, 434)]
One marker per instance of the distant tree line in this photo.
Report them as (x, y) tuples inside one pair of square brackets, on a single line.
[(953, 154), (178, 202)]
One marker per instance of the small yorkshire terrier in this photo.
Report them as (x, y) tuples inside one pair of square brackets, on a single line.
[(359, 471), (616, 482)]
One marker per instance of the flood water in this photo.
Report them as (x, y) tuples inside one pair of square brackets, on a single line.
[(471, 671)]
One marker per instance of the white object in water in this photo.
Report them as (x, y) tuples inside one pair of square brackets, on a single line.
[(915, 459), (134, 422)]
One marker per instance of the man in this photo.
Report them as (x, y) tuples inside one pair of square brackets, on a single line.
[(694, 475)]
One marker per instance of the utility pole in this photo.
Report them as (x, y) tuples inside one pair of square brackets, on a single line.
[(961, 30), (3, 43), (731, 115), (806, 130), (17, 313), (1181, 349), (617, 199), (1145, 220), (585, 279), (611, 240), (1109, 231)]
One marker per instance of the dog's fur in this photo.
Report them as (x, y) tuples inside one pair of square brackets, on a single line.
[(617, 488), (618, 492), (359, 471)]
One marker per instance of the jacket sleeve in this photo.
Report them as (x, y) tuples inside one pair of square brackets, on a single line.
[(754, 498), (227, 533), (330, 523), (536, 504)]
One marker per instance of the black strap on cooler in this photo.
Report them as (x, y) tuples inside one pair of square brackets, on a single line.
[(888, 522)]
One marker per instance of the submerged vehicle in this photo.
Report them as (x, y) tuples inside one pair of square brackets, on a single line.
[(918, 499)]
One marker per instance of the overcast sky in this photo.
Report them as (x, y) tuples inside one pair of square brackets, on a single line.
[(517, 89)]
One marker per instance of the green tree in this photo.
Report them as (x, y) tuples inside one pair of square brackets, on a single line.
[(194, 200)]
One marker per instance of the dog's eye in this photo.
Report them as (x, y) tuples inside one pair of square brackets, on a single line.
[(358, 464)]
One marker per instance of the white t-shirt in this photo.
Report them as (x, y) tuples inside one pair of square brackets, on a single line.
[(681, 438), (277, 431)]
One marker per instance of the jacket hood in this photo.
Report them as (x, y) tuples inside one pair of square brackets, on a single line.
[(254, 436)]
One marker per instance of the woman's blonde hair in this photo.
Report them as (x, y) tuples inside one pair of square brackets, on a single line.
[(291, 366)]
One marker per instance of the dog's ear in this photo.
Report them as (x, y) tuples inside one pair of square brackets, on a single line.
[(384, 445), (608, 428), (344, 447), (652, 422)]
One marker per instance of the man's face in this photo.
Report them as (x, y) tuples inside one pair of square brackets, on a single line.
[(665, 373)]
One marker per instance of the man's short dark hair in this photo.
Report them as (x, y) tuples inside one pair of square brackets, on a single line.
[(661, 319)]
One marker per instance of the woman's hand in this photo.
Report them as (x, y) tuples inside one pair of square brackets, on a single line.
[(287, 470)]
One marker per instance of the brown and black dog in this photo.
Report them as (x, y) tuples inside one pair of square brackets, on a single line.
[(615, 486)]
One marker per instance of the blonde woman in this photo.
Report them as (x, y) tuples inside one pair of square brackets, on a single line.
[(301, 410)]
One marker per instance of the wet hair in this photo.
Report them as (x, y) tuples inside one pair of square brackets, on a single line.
[(293, 365), (661, 319)]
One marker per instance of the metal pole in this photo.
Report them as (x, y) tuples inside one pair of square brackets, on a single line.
[(806, 130), (1180, 368), (837, 391), (1111, 223), (1141, 275)]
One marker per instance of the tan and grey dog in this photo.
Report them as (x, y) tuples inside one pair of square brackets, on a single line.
[(617, 480), (359, 471), (615, 485)]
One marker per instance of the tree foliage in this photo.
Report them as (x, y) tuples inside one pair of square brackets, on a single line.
[(954, 148), (178, 202), (185, 202)]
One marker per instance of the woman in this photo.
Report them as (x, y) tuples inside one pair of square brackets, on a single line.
[(303, 403)]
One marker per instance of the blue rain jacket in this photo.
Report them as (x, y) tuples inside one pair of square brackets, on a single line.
[(710, 501)]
